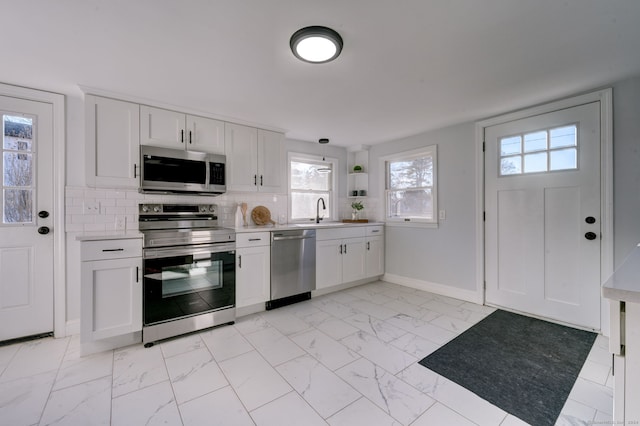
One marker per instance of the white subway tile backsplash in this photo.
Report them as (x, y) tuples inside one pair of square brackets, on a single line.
[(123, 202), (90, 227)]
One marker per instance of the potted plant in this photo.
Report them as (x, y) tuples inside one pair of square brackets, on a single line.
[(356, 206), (357, 169)]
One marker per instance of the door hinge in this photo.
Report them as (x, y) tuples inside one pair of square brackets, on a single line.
[(483, 146), (484, 216)]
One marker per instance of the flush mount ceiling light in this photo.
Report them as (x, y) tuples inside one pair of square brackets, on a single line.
[(316, 44)]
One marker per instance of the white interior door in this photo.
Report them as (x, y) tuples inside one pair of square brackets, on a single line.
[(542, 223), (26, 209)]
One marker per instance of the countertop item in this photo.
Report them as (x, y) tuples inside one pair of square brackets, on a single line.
[(261, 216), (624, 284), (243, 209)]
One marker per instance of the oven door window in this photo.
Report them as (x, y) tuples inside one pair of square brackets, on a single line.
[(181, 286)]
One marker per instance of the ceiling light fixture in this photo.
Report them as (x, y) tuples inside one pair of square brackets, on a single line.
[(323, 141), (316, 44)]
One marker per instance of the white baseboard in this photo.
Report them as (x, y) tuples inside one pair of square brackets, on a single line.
[(248, 310), (72, 327), (441, 289), (344, 286)]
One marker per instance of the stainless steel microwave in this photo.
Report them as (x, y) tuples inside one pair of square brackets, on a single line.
[(176, 171)]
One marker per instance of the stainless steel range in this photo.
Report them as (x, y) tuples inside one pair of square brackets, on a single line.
[(189, 270)]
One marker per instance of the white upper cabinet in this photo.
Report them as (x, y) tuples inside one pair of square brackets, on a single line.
[(112, 142), (271, 166), (255, 159), (172, 129), (205, 135)]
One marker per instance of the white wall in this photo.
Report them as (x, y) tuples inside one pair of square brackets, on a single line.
[(626, 167), (445, 255)]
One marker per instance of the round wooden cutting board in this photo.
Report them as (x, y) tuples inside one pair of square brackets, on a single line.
[(261, 215)]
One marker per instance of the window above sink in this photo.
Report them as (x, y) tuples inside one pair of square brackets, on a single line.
[(310, 178)]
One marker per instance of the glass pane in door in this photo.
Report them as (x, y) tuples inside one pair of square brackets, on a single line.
[(18, 160)]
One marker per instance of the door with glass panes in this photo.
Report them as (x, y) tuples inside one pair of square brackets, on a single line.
[(26, 202), (543, 215)]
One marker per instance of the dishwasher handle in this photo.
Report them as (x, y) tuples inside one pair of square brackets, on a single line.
[(294, 237)]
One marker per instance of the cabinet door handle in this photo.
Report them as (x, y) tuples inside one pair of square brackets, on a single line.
[(345, 249), (368, 245), (239, 261), (137, 274), (260, 180), (107, 250), (340, 248), (189, 137), (182, 136), (255, 239), (135, 170), (255, 180), (375, 230)]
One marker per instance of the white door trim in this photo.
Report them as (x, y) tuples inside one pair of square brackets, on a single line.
[(605, 97), (59, 152)]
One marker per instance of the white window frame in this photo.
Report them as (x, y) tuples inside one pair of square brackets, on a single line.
[(431, 150), (333, 199)]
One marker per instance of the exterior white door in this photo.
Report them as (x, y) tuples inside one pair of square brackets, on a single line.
[(542, 215), (26, 209)]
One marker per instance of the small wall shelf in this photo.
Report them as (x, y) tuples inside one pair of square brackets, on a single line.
[(358, 181)]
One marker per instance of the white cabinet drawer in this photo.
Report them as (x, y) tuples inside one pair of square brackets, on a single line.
[(340, 233), (252, 239), (375, 230), (111, 249)]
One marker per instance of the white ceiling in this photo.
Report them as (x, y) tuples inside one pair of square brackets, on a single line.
[(407, 65)]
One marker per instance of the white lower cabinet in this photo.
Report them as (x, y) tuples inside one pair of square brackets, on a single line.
[(359, 254), (110, 293), (253, 266)]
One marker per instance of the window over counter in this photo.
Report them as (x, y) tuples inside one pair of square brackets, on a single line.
[(410, 187), (310, 178)]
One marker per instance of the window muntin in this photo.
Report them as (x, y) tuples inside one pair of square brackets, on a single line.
[(18, 174), (310, 179), (410, 193), (541, 151)]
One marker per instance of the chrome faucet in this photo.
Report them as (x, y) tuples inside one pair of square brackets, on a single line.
[(324, 207)]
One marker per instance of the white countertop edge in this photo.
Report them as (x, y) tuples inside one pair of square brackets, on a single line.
[(288, 226), (624, 284), (114, 235)]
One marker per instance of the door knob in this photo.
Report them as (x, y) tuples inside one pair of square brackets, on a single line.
[(44, 230), (590, 235), (590, 220), (43, 214)]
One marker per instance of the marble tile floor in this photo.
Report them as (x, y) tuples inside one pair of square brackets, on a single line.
[(347, 358)]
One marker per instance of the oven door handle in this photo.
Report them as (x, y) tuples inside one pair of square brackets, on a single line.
[(203, 256), (199, 252)]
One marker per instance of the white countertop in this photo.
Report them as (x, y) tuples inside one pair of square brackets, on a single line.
[(624, 284), (322, 225), (117, 235)]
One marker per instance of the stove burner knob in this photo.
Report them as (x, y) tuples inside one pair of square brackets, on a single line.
[(145, 209), (156, 209), (211, 209), (203, 209)]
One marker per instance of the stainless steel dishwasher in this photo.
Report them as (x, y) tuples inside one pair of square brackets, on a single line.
[(293, 266)]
